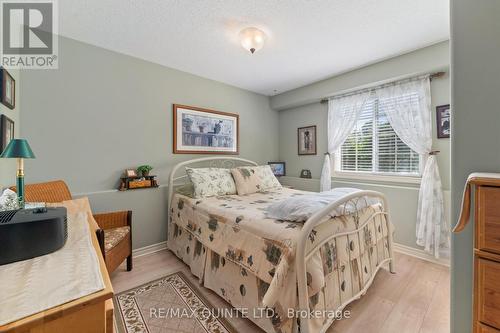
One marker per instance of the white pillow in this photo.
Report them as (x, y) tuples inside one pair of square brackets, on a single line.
[(209, 182)]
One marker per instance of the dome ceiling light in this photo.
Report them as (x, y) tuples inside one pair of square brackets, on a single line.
[(252, 39)]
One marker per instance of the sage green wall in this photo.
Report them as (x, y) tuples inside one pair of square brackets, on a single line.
[(432, 58), (403, 198), (475, 49), (8, 166), (102, 112)]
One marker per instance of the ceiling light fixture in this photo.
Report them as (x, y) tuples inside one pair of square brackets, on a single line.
[(252, 39)]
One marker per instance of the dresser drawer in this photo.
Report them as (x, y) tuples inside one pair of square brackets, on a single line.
[(480, 328), (487, 291), (488, 218)]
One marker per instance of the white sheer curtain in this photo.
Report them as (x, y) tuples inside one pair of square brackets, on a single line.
[(408, 109), (325, 183), (343, 113)]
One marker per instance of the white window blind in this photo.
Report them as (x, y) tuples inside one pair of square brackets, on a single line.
[(374, 147)]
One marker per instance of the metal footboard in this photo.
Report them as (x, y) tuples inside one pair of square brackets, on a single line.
[(302, 257)]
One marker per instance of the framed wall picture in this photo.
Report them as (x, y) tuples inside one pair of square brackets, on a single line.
[(204, 131), (8, 89), (443, 121), (279, 168), (6, 131), (306, 140)]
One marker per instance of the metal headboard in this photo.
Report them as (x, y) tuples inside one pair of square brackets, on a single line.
[(179, 177)]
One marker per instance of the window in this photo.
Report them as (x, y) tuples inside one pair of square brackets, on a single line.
[(374, 147)]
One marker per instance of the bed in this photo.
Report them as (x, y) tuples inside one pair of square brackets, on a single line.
[(284, 276)]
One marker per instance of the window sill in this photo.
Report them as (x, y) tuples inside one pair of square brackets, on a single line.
[(375, 177)]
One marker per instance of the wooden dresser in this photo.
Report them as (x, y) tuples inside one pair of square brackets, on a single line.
[(486, 308)]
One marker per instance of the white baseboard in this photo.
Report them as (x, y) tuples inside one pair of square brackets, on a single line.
[(420, 254), (142, 251)]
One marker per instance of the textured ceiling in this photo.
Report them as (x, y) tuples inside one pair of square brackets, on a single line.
[(308, 40)]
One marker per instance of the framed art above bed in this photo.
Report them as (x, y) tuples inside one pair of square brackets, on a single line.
[(204, 131)]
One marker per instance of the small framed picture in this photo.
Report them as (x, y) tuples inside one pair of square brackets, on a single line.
[(131, 173), (6, 131), (306, 140), (443, 121), (278, 168), (8, 89)]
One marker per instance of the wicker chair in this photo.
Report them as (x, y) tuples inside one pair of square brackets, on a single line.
[(115, 233)]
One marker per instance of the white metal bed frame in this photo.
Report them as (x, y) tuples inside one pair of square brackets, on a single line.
[(315, 220)]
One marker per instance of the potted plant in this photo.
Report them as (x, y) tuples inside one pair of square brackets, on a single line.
[(144, 170)]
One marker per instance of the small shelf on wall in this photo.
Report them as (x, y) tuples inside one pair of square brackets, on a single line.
[(136, 182)]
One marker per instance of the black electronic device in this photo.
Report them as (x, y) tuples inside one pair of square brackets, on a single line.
[(29, 233), (305, 173)]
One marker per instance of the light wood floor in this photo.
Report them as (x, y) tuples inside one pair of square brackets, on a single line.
[(415, 299)]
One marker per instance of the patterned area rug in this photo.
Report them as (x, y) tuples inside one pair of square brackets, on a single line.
[(167, 305)]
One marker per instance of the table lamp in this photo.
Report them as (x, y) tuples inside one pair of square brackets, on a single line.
[(20, 149)]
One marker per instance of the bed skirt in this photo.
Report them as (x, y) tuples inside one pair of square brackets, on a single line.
[(244, 291)]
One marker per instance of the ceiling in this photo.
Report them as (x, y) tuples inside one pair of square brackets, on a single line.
[(308, 40)]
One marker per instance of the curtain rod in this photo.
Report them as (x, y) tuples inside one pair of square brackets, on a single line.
[(431, 76)]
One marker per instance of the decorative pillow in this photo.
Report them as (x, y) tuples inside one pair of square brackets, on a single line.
[(254, 179), (209, 182), (269, 180), (247, 181)]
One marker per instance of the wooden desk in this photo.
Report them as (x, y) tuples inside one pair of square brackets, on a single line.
[(90, 314)]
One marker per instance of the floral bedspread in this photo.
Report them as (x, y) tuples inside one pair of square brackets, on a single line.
[(236, 228)]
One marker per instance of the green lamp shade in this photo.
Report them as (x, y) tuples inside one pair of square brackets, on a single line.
[(18, 148)]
